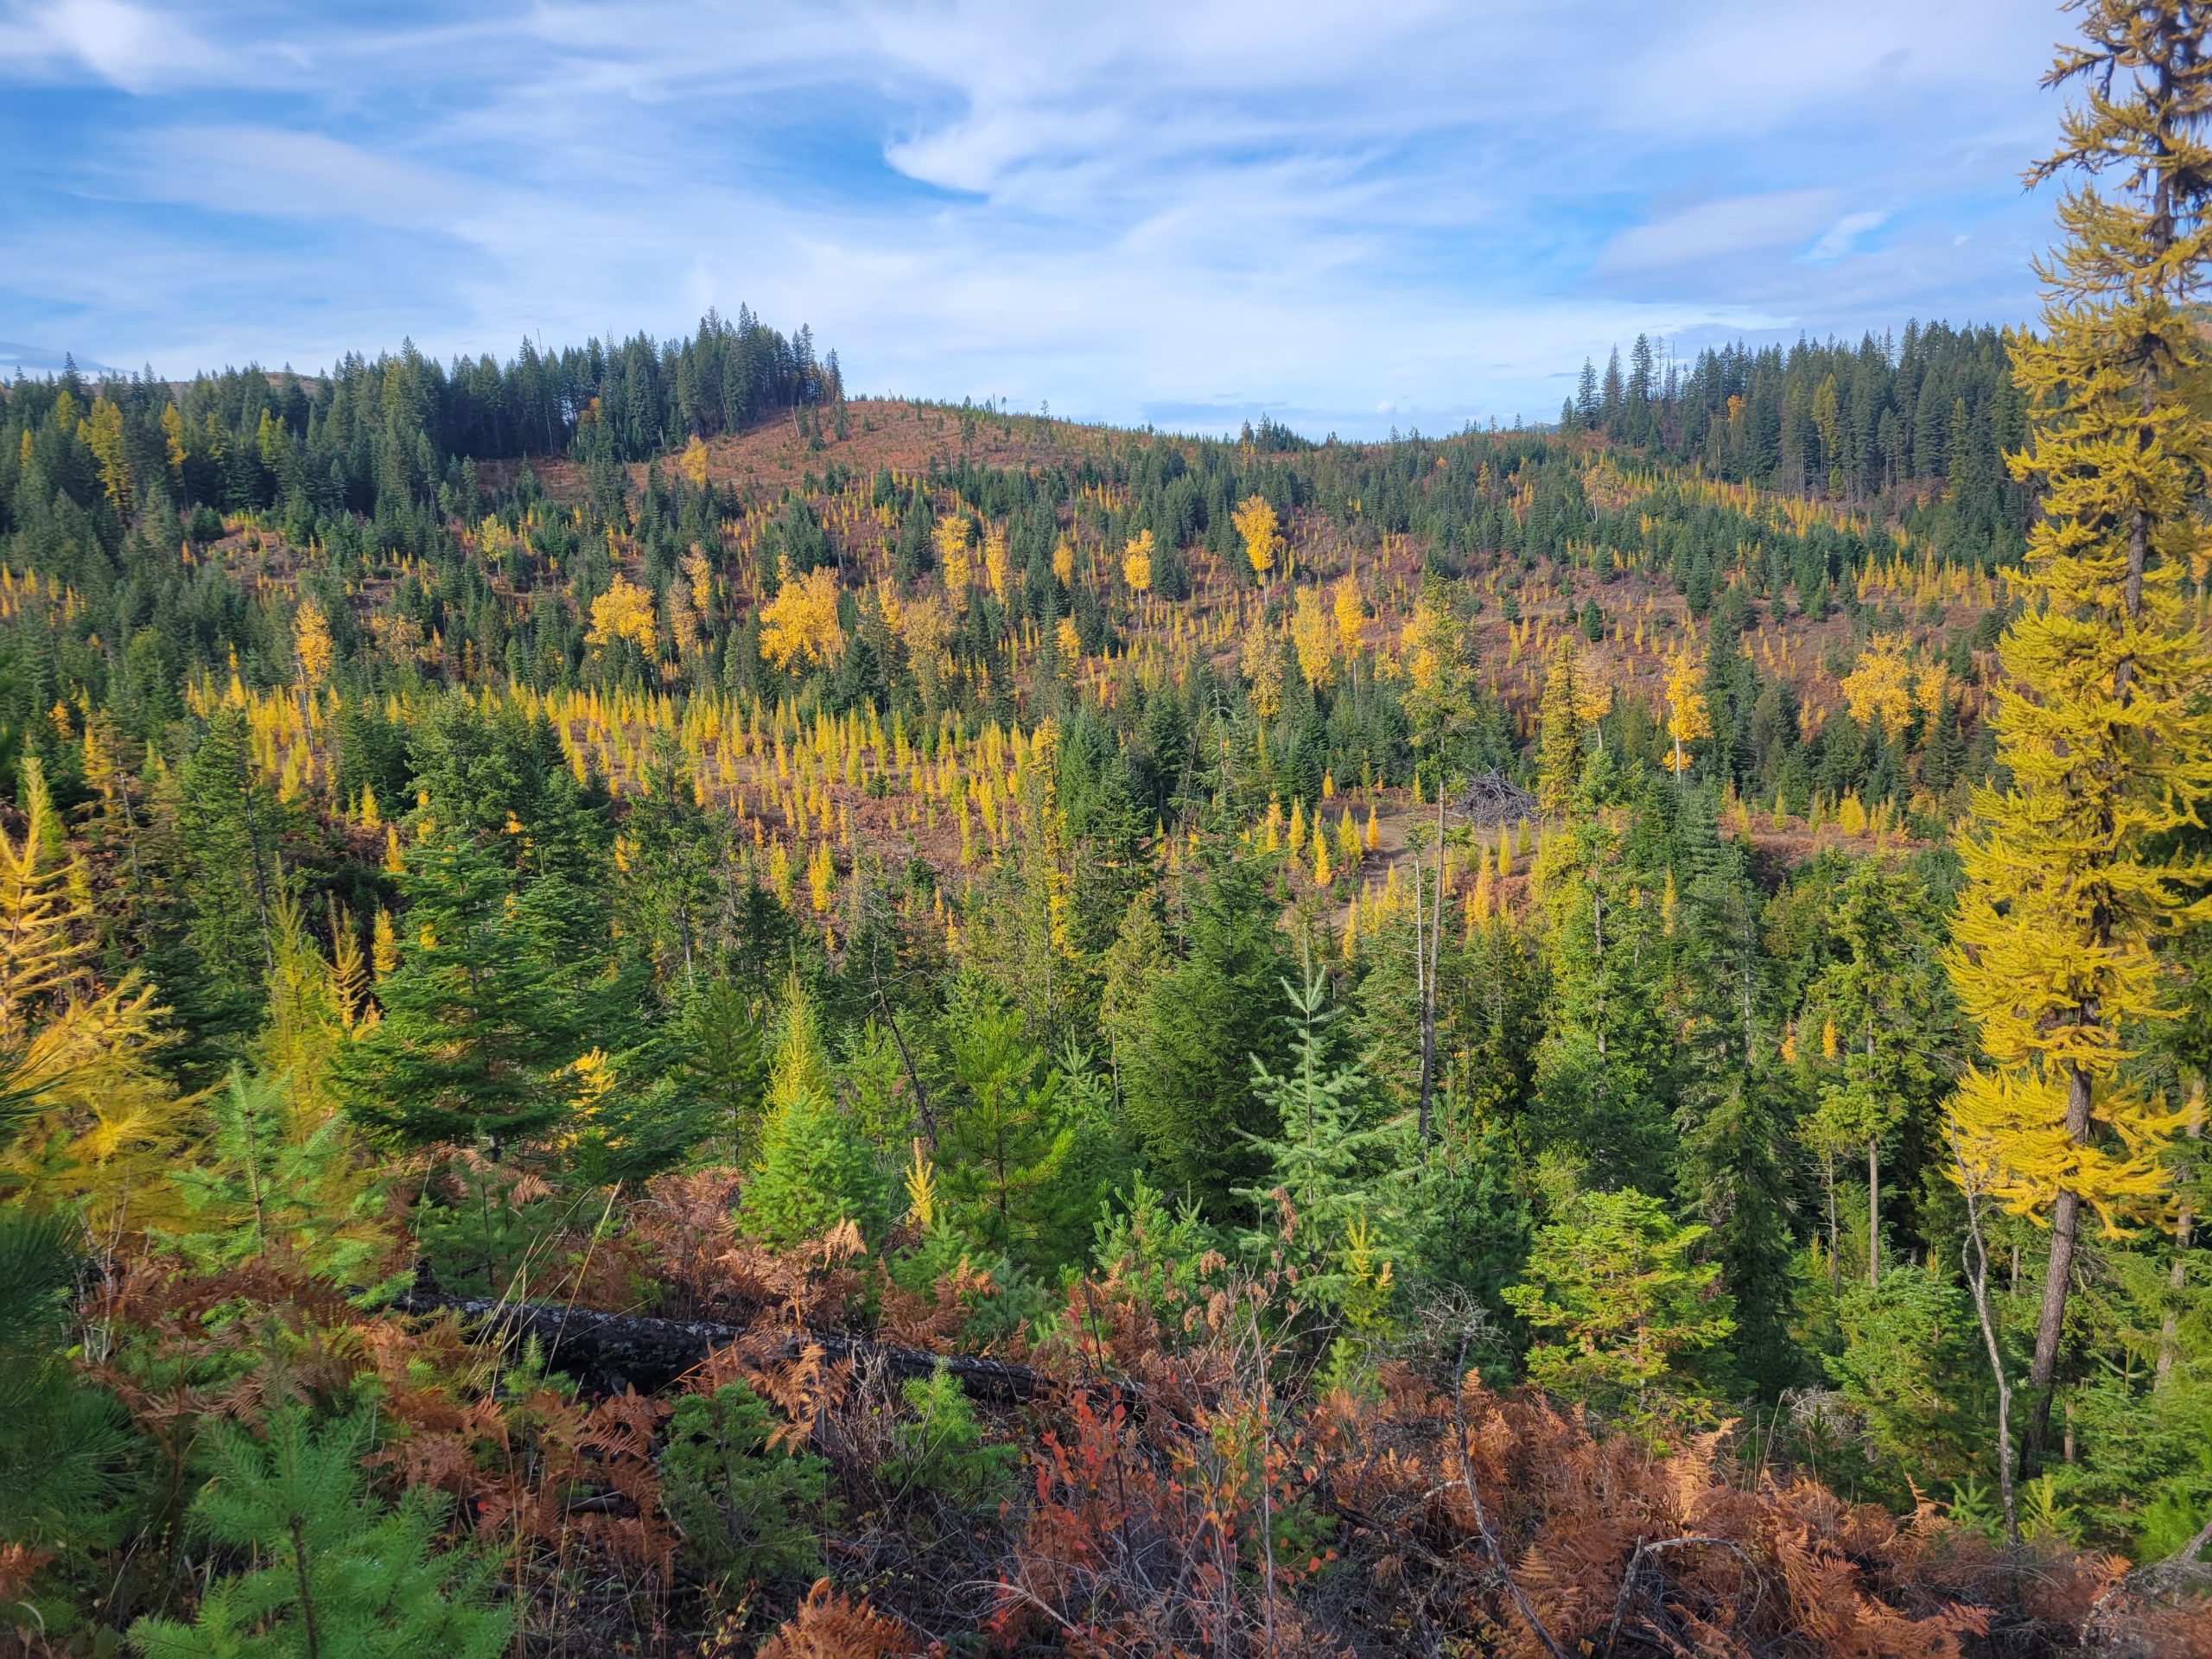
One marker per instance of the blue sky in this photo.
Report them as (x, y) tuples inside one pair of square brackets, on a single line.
[(1350, 217)]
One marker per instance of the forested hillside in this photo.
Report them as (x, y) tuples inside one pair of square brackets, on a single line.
[(629, 984)]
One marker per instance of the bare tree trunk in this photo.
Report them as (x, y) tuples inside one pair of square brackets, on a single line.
[(1873, 1188), (2178, 1276), (2058, 1279), (1428, 978), (260, 876), (1420, 988), (1836, 1239), (1977, 1265), (1873, 1213)]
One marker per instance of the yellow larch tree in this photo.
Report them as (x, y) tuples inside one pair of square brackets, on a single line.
[(1931, 688), (2103, 729), (1350, 613), (822, 878), (1312, 635), (1255, 519), (1688, 718), (1136, 563), (1593, 697), (624, 611), (995, 563), (801, 621), (700, 575), (384, 945), (1261, 662), (953, 558), (85, 1120), (102, 431), (311, 642), (173, 445), (1879, 689), (38, 952)]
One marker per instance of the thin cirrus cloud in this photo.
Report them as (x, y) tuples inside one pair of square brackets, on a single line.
[(1189, 212), (137, 48), (281, 174), (1838, 240), (1730, 227)]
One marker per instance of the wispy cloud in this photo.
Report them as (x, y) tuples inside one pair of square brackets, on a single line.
[(1167, 210), (276, 174), (137, 48), (18, 359), (1732, 227), (1837, 240)]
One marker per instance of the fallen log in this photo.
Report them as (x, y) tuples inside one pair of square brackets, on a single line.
[(607, 1352)]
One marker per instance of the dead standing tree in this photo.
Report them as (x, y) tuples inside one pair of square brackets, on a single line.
[(1485, 801)]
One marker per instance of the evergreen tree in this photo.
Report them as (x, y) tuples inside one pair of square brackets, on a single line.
[(674, 856), (228, 827), (940, 1448), (490, 1002), (1879, 1010), (1328, 1170), (1467, 1211), (1185, 1049), (1558, 735), (1622, 1311), (1732, 1109), (337, 1573), (63, 1444), (1006, 1137), (815, 1171), (745, 1502), (723, 1065), (268, 1181), (1604, 1067)]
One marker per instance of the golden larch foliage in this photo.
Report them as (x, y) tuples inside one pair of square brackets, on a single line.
[(311, 642), (995, 563), (624, 611), (1350, 613), (952, 537), (1688, 718), (1313, 636), (1255, 521), (102, 431), (801, 622), (1879, 688), (1136, 563), (2103, 726)]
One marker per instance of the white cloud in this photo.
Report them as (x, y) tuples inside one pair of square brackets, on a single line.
[(129, 45), (18, 359), (1742, 66), (1718, 230), (1837, 239), (1164, 203), (268, 171)]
